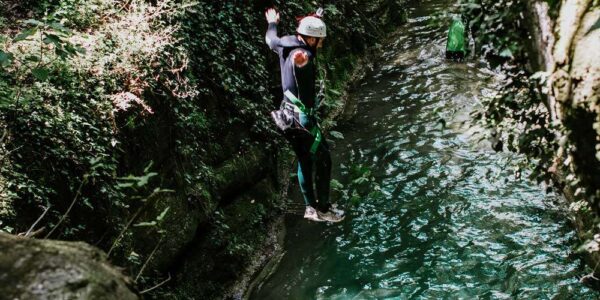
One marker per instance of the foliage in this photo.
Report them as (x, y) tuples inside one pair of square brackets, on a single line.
[(498, 26), (84, 14), (519, 121), (85, 79), (67, 96), (231, 70), (518, 117), (357, 25), (360, 184), (141, 197)]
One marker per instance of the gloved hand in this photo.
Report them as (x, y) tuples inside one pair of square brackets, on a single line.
[(272, 16), (300, 58)]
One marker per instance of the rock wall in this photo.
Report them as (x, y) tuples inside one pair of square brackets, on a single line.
[(574, 97), (562, 48)]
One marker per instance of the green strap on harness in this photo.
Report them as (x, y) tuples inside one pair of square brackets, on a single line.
[(298, 103), (316, 130)]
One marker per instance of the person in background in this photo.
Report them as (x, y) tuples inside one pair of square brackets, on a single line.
[(456, 46)]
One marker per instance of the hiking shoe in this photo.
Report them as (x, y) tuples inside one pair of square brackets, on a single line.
[(311, 214), (329, 216), (336, 210), (330, 207)]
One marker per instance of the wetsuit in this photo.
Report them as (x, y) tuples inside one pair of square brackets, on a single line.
[(301, 82)]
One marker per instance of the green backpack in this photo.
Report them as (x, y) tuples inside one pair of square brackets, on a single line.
[(456, 39)]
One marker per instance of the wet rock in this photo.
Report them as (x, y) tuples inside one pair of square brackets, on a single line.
[(47, 269), (570, 16), (585, 69)]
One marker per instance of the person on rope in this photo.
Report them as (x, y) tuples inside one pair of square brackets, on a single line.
[(296, 116)]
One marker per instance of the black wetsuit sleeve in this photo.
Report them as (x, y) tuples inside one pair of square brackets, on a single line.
[(272, 39)]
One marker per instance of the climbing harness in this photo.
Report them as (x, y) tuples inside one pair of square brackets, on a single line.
[(284, 119), (298, 106)]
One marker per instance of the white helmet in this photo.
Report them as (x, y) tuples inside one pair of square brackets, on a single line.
[(312, 26)]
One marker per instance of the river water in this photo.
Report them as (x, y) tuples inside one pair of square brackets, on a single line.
[(432, 211)]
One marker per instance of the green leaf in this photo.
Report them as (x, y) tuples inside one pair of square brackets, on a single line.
[(52, 39), (59, 27), (506, 53), (32, 58), (80, 49), (331, 9), (70, 49), (355, 199), (5, 58), (145, 224), (33, 22), (147, 168), (143, 180), (336, 134), (61, 53), (163, 214), (5, 102), (40, 73), (335, 92), (336, 185), (125, 184), (360, 180), (471, 5), (25, 34), (87, 203), (133, 255)]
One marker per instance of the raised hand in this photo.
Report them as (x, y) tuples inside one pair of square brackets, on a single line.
[(272, 16)]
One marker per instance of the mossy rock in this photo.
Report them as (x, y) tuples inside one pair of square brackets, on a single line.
[(47, 269)]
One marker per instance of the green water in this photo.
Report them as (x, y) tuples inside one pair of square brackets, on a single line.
[(439, 215)]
